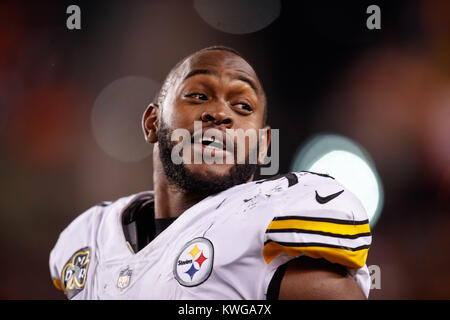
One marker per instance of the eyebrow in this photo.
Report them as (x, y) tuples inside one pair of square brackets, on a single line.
[(250, 83), (195, 72), (200, 71)]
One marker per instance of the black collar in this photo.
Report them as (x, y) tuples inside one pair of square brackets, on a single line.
[(139, 224)]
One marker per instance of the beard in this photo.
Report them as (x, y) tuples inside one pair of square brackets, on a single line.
[(188, 182)]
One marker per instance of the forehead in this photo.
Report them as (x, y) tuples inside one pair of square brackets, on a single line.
[(220, 61)]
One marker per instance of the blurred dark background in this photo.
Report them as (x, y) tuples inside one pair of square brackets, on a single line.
[(65, 146)]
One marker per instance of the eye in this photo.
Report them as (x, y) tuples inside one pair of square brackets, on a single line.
[(197, 96), (245, 107)]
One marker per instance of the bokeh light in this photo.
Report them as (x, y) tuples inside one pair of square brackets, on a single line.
[(238, 16), (117, 115), (349, 164)]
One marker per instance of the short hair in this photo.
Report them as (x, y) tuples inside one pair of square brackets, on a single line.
[(168, 81)]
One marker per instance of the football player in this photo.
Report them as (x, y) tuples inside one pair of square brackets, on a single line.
[(208, 230)]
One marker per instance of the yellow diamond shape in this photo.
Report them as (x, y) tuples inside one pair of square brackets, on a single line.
[(194, 251)]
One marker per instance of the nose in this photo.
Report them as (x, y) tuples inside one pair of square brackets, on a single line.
[(217, 116)]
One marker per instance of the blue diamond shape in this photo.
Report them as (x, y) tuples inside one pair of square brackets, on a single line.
[(191, 271)]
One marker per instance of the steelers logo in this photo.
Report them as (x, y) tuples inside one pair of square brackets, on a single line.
[(194, 263)]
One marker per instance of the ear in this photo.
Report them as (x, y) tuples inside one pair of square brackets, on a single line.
[(150, 123), (264, 143)]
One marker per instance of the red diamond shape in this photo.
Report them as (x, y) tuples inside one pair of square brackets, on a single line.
[(200, 260)]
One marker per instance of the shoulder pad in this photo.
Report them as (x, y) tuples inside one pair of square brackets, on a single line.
[(72, 253), (320, 219)]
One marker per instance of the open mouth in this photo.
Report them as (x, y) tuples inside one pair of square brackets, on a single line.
[(212, 143)]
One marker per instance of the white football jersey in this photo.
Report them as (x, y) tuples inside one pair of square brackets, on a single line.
[(227, 246)]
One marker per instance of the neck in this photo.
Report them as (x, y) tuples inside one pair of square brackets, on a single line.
[(170, 202)]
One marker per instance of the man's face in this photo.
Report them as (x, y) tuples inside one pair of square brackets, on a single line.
[(220, 90)]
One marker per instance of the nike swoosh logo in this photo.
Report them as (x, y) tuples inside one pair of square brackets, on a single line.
[(323, 200)]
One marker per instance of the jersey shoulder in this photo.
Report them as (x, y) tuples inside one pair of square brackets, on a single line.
[(321, 195), (75, 247), (319, 218)]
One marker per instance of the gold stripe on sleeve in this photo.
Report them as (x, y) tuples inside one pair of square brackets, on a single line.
[(345, 229), (353, 259)]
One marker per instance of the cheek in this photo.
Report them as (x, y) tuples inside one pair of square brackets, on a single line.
[(178, 116), (248, 138), (184, 117), (248, 123)]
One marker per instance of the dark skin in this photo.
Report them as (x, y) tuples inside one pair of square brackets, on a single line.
[(222, 90)]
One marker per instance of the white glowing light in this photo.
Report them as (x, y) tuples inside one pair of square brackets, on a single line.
[(349, 164), (354, 173)]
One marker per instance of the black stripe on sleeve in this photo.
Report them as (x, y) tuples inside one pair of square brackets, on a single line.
[(317, 244), (337, 221), (322, 233)]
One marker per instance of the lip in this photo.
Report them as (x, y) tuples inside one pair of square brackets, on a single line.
[(200, 139), (210, 151)]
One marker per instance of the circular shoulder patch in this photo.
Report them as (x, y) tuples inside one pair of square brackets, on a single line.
[(74, 273), (194, 263)]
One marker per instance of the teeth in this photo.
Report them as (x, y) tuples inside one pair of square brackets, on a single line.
[(212, 143), (216, 144), (209, 142)]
